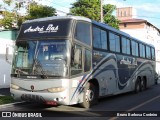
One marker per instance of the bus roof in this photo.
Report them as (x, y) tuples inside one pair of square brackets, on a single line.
[(87, 20), (57, 18)]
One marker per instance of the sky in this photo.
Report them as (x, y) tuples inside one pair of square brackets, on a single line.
[(145, 9)]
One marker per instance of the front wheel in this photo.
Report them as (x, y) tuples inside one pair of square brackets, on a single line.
[(90, 95), (143, 85), (137, 86)]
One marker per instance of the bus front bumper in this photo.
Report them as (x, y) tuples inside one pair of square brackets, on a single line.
[(41, 97)]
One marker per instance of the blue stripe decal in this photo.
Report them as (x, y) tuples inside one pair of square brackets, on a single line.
[(84, 80), (78, 86)]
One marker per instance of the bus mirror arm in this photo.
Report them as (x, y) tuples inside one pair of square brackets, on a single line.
[(72, 55)]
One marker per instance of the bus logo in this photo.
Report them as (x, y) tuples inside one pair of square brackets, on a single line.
[(32, 87)]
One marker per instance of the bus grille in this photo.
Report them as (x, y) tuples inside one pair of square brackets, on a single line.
[(32, 98)]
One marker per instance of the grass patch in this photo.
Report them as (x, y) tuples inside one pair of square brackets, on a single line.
[(6, 99)]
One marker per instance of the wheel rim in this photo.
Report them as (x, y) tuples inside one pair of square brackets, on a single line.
[(89, 95)]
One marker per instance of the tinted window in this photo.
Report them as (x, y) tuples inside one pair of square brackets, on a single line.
[(114, 42), (148, 52), (153, 53), (125, 45), (134, 48), (87, 62), (83, 33), (99, 38), (142, 50)]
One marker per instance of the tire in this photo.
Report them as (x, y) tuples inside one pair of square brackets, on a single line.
[(137, 86), (90, 95), (142, 85)]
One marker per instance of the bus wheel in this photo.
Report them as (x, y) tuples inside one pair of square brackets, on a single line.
[(90, 96), (137, 86), (142, 85)]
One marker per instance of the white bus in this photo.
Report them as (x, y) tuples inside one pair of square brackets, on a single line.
[(74, 60)]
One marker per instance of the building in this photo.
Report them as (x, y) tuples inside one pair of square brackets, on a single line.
[(7, 41), (141, 29)]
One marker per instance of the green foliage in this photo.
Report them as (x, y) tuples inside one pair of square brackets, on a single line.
[(6, 100), (87, 8), (8, 19), (108, 17), (91, 9), (39, 11), (12, 17), (8, 2)]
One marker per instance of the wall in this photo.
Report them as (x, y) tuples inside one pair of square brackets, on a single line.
[(131, 25), (7, 40)]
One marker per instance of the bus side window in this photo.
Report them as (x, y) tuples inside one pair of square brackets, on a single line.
[(134, 48), (125, 46), (76, 62), (148, 52), (142, 50), (153, 53), (114, 42)]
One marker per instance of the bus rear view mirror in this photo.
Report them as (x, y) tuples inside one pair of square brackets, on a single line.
[(8, 55)]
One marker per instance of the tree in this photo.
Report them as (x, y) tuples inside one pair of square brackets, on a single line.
[(108, 17), (87, 8), (8, 19), (91, 9), (12, 17), (39, 11)]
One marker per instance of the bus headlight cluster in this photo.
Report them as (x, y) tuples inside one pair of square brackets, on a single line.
[(56, 89), (14, 87)]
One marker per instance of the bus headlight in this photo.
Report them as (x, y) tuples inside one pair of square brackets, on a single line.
[(14, 86), (56, 89)]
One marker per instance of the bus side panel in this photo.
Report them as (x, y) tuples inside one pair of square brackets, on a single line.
[(118, 73)]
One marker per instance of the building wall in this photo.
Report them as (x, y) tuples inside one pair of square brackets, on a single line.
[(131, 25), (125, 13), (7, 40), (8, 34)]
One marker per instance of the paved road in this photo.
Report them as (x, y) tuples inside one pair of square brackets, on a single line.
[(146, 101)]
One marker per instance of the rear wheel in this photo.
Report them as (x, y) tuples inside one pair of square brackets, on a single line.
[(90, 95)]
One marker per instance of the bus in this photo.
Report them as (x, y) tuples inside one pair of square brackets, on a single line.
[(66, 60)]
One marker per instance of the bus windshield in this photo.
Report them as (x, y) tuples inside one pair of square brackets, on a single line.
[(43, 57)]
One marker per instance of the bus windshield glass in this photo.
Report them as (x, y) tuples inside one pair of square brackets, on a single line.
[(43, 57)]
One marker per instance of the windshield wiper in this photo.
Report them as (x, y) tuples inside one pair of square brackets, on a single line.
[(37, 65), (20, 71)]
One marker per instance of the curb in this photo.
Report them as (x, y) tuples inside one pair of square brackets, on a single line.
[(10, 104)]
